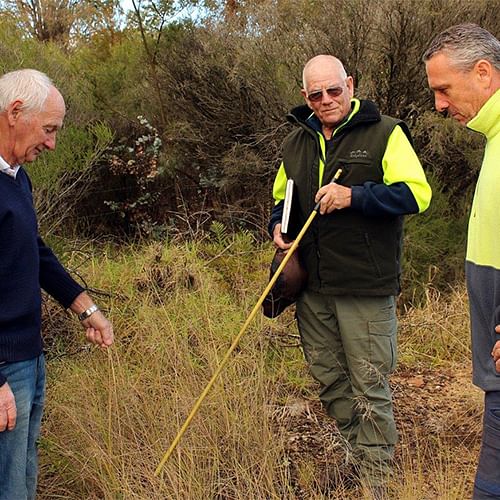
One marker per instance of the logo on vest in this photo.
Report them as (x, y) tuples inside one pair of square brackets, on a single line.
[(358, 153)]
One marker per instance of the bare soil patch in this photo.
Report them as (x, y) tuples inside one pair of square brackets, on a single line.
[(438, 415)]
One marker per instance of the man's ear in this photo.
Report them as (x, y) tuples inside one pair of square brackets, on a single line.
[(304, 95), (484, 71), (350, 85), (14, 110)]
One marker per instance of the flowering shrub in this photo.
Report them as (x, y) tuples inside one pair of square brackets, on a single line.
[(138, 168)]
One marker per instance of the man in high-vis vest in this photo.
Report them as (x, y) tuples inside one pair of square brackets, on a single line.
[(352, 253), (463, 71)]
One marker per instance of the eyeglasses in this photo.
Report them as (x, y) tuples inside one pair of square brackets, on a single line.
[(317, 95)]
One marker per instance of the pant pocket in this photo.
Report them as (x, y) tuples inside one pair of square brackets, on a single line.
[(383, 349), (494, 419), (491, 437)]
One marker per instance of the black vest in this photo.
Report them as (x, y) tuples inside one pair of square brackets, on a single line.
[(345, 252)]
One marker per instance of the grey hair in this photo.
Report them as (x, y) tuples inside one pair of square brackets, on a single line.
[(30, 86), (465, 44)]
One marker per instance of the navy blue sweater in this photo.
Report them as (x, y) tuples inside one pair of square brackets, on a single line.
[(26, 265)]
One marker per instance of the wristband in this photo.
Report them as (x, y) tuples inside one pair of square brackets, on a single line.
[(88, 312)]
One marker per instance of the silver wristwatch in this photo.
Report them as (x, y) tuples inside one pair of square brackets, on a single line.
[(88, 312)]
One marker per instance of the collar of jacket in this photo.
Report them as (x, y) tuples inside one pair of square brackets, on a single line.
[(362, 111), (486, 121)]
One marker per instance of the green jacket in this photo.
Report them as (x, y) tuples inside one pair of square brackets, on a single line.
[(356, 250)]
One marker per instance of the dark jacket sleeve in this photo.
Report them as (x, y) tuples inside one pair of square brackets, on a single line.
[(276, 216), (54, 279), (379, 199)]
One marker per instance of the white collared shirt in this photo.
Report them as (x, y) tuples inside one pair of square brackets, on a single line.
[(7, 169)]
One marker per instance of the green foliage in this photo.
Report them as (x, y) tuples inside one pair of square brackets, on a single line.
[(111, 81), (64, 22), (434, 246), (217, 91), (77, 151), (20, 51), (62, 178), (450, 152), (220, 233)]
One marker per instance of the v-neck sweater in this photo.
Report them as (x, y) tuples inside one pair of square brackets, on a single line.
[(26, 266)]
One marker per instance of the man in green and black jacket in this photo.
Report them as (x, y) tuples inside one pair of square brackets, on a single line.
[(352, 252)]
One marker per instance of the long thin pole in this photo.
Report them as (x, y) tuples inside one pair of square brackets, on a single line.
[(237, 339)]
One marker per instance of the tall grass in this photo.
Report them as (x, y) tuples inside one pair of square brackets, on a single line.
[(110, 416)]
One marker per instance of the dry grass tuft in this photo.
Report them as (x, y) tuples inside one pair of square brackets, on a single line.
[(436, 334), (261, 433)]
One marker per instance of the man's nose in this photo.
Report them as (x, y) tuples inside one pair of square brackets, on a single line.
[(50, 143), (440, 104), (326, 97)]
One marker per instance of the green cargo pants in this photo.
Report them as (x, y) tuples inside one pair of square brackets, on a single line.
[(349, 343)]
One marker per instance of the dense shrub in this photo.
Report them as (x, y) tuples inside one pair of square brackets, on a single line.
[(217, 90)]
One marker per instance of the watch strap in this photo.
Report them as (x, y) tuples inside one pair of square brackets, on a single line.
[(88, 312)]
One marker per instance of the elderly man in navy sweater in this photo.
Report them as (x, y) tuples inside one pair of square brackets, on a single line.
[(31, 113)]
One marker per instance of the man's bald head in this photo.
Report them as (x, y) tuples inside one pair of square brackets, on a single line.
[(326, 62)]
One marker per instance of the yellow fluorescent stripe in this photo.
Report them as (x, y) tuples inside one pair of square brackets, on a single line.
[(401, 164), (279, 186), (322, 155), (356, 104)]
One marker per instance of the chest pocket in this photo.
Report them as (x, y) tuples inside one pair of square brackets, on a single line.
[(357, 171)]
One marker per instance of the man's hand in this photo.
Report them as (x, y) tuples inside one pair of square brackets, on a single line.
[(333, 197), (99, 330), (496, 351), (278, 238), (8, 412)]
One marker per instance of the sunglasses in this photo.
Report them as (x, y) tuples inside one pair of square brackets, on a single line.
[(318, 94)]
